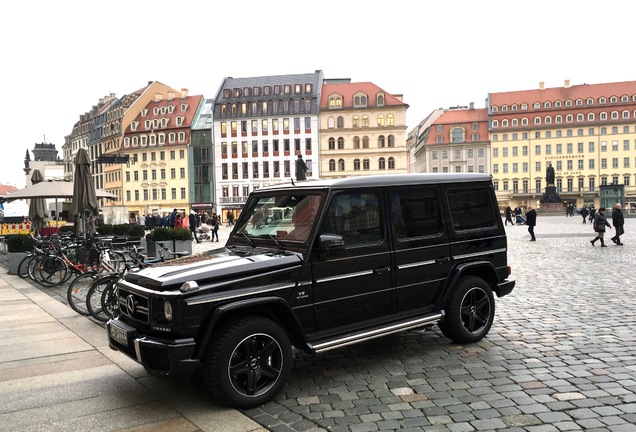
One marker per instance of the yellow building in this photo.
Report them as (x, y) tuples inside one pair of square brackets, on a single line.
[(157, 142), (587, 133), (362, 130)]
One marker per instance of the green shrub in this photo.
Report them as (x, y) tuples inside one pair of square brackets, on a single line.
[(19, 243), (136, 230), (105, 230), (165, 234), (121, 229)]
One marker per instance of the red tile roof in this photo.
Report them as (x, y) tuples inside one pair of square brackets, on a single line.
[(582, 91), (348, 90)]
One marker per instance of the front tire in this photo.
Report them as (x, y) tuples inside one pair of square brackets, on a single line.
[(247, 362), (469, 312)]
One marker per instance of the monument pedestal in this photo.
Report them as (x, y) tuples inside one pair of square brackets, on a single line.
[(551, 202)]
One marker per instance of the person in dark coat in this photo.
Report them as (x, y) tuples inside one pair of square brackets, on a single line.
[(584, 213), (618, 221), (531, 221), (192, 222), (508, 213), (592, 213), (599, 226)]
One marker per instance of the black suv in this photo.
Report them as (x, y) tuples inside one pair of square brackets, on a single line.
[(319, 265)]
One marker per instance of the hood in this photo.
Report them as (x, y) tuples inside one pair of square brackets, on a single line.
[(215, 269)]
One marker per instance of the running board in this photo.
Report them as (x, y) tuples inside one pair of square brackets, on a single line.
[(375, 333)]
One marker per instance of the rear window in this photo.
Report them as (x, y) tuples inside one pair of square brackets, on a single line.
[(471, 208), (415, 213)]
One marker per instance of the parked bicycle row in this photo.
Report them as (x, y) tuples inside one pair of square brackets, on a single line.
[(91, 267)]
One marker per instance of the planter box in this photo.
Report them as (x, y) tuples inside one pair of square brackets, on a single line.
[(14, 261)]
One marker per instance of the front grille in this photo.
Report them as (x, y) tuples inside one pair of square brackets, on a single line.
[(134, 305)]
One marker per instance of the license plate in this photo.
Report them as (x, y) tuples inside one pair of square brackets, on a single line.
[(120, 335)]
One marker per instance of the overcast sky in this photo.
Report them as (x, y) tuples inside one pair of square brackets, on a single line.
[(60, 57)]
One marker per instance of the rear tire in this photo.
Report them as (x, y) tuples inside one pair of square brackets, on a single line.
[(23, 267), (247, 362), (469, 312), (78, 290), (94, 297)]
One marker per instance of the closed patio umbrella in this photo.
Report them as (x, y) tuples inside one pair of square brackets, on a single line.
[(84, 205), (37, 206)]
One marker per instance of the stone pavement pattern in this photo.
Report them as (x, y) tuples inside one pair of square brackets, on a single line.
[(559, 357)]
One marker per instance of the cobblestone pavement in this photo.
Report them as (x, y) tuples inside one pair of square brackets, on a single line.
[(559, 357)]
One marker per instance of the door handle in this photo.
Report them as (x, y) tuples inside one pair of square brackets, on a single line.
[(381, 270)]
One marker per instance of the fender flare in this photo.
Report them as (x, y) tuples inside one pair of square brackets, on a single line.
[(483, 269), (263, 306)]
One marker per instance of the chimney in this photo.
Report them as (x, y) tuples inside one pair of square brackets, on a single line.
[(566, 83), (170, 95), (101, 101), (184, 92), (112, 96), (158, 97), (541, 85), (472, 105)]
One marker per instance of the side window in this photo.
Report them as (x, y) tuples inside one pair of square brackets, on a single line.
[(415, 213), (356, 217), (471, 208)]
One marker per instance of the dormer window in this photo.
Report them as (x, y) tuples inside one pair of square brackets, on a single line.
[(613, 99), (133, 126), (360, 101), (170, 109), (335, 102), (155, 110), (144, 112), (379, 99), (537, 105), (237, 92), (184, 107), (308, 88)]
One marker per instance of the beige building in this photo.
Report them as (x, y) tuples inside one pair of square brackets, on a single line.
[(362, 130), (157, 143), (587, 133)]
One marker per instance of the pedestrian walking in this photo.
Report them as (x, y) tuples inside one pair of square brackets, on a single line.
[(215, 227), (508, 213), (599, 226), (192, 220), (531, 221), (618, 221), (592, 213), (584, 213)]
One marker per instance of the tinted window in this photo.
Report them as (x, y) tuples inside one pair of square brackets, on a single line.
[(415, 213), (471, 208), (356, 217)]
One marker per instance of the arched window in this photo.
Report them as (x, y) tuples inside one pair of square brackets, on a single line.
[(332, 143), (569, 118), (381, 141), (356, 164), (514, 122), (365, 121), (355, 121), (391, 141), (580, 117), (340, 143), (381, 164), (341, 165), (548, 120), (380, 120), (365, 142), (504, 123), (332, 165), (340, 122), (331, 123), (356, 142), (457, 135), (495, 124), (590, 116), (391, 163), (390, 120)]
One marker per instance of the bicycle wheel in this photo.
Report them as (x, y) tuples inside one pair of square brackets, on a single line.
[(23, 267), (78, 291), (94, 297), (34, 266), (52, 271), (110, 300)]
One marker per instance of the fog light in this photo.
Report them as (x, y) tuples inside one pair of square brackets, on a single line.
[(167, 310)]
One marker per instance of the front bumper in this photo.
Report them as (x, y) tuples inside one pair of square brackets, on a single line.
[(157, 356)]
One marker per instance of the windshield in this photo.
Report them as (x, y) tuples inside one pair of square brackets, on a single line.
[(284, 216)]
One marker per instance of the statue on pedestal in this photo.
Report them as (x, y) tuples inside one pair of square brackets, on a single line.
[(549, 175)]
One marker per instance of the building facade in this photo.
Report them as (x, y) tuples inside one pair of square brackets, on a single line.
[(362, 130), (157, 143), (202, 192), (587, 133), (261, 125)]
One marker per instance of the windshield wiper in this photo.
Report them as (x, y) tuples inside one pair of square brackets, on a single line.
[(280, 246)]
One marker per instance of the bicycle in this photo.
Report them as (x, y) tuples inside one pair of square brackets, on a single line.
[(109, 301)]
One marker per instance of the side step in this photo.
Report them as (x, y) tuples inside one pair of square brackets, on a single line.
[(376, 332)]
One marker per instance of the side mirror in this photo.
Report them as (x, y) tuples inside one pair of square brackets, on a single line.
[(330, 244)]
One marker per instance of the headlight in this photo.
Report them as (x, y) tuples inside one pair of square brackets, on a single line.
[(167, 310)]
